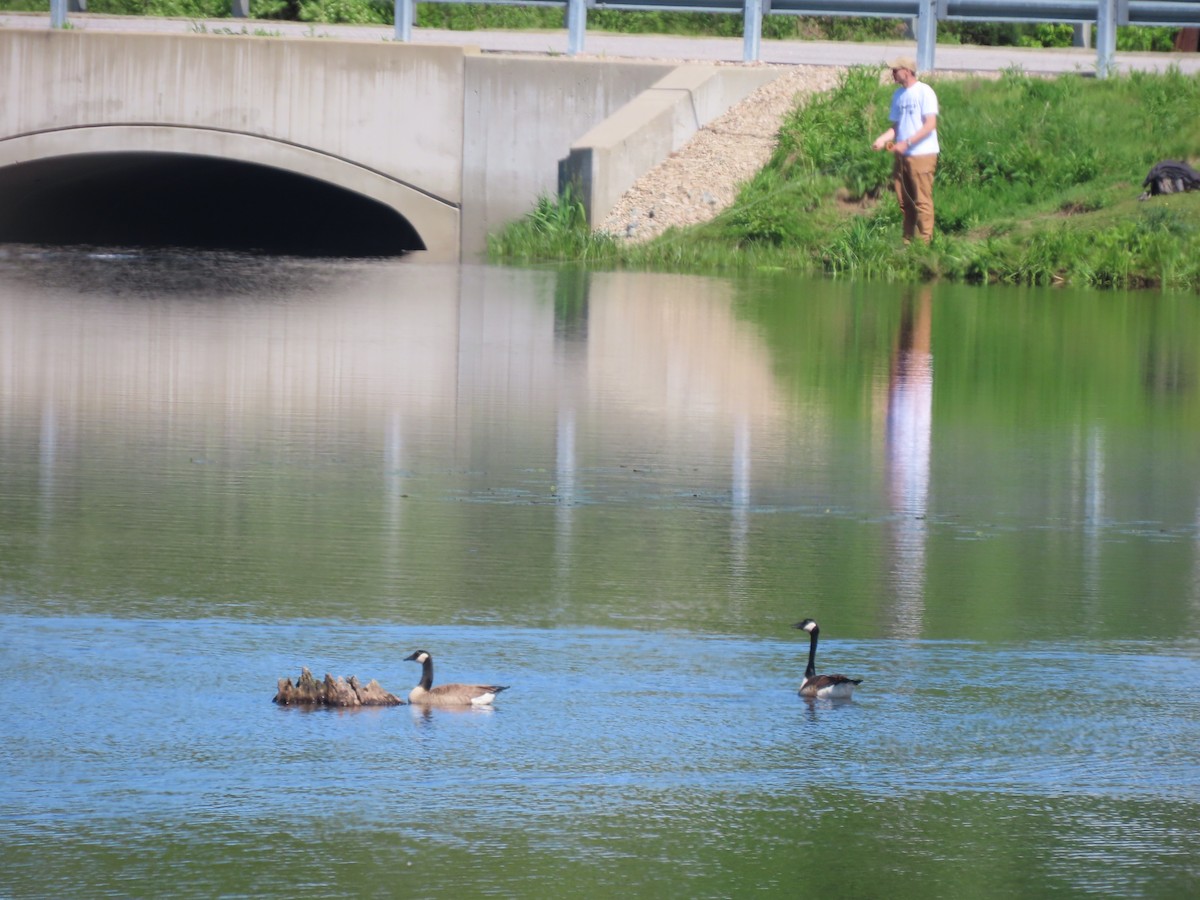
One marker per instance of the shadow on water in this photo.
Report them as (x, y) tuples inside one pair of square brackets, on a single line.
[(174, 273), (816, 706)]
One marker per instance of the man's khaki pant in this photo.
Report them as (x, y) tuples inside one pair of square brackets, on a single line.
[(913, 181)]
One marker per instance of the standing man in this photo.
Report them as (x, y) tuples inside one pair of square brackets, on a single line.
[(913, 139)]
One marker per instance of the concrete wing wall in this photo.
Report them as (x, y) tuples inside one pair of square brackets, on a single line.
[(522, 115), (608, 159)]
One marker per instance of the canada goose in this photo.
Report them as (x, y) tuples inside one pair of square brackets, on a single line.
[(833, 687), (448, 694)]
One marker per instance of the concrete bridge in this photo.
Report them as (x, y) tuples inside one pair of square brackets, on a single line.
[(321, 145)]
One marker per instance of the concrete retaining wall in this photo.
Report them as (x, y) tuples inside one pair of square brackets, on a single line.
[(608, 159), (522, 114)]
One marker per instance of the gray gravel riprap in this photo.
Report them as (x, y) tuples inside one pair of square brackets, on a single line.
[(702, 178)]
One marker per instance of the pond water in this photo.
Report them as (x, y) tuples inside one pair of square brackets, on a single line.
[(615, 492)]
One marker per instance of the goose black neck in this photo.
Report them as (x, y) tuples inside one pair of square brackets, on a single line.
[(812, 654), (427, 672)]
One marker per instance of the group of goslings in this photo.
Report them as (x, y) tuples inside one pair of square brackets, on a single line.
[(824, 687)]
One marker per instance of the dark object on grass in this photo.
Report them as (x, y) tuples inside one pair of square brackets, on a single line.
[(307, 691), (1170, 177)]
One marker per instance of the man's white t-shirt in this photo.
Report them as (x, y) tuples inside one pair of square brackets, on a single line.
[(910, 106)]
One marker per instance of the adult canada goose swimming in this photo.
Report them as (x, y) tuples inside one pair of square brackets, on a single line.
[(832, 687), (448, 694)]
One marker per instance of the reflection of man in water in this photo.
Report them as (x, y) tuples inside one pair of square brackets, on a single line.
[(910, 407), (914, 141), (908, 436)]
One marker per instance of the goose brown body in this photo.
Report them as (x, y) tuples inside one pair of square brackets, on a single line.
[(448, 694), (832, 687)]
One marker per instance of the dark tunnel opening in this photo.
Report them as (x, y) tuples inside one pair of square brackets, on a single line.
[(149, 200)]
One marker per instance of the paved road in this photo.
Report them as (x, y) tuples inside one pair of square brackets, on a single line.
[(657, 47)]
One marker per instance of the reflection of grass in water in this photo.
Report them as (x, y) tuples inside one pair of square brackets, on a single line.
[(1037, 184)]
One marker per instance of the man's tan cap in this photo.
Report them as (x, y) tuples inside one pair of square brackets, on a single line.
[(903, 62)]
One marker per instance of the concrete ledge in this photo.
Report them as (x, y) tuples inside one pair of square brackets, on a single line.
[(605, 162)]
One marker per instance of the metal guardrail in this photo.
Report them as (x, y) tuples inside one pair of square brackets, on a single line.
[(867, 9), (1128, 12), (925, 14)]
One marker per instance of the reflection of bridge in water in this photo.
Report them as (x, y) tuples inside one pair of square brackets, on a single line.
[(619, 388)]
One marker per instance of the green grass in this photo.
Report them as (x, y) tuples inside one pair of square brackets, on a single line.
[(1037, 184), (556, 228)]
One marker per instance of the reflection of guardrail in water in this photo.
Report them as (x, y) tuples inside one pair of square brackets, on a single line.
[(925, 14)]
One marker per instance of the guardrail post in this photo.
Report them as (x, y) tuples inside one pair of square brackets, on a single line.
[(926, 34), (752, 14), (576, 26), (58, 13), (1106, 36), (405, 11)]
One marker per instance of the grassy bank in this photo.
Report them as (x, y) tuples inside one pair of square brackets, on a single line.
[(1037, 183)]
